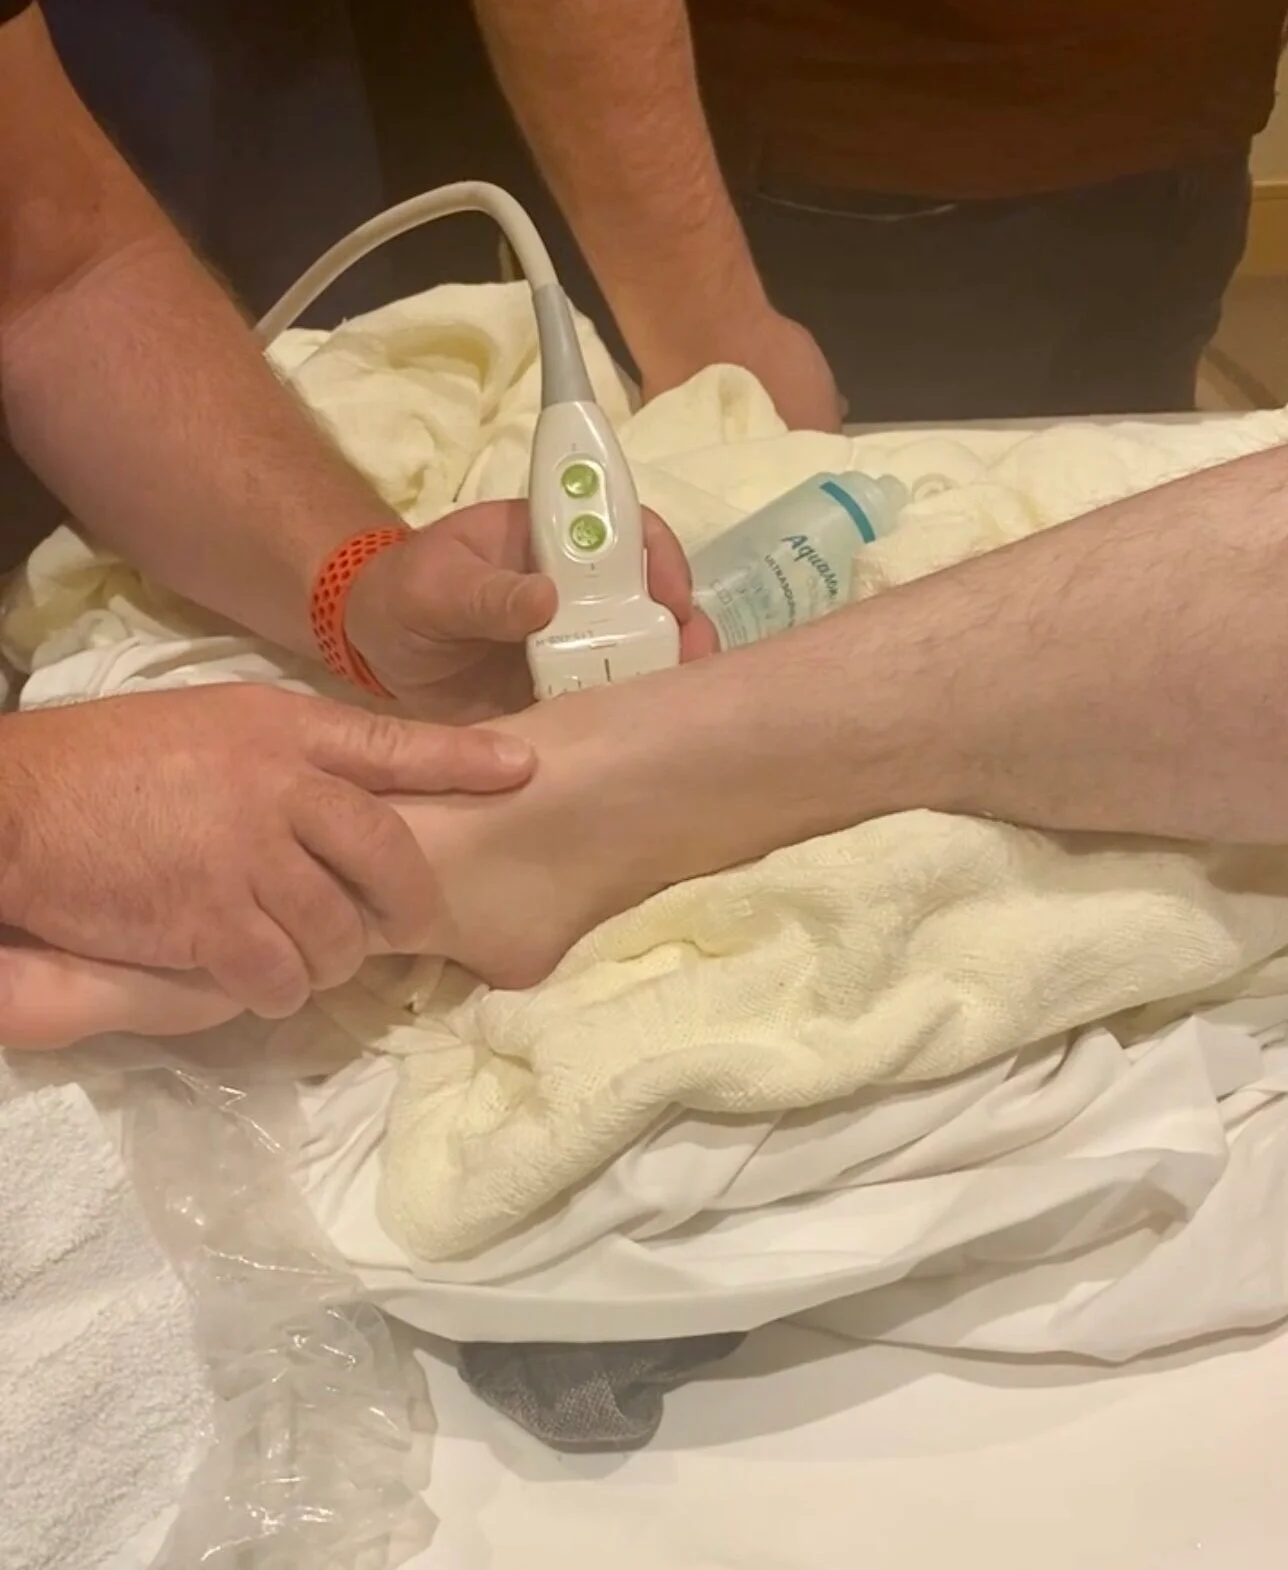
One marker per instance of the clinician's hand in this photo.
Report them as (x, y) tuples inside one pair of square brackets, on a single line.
[(780, 353), (233, 829), (442, 619)]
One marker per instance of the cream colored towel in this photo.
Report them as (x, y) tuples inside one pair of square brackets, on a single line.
[(903, 950)]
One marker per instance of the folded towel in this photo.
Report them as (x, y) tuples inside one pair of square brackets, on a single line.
[(104, 1404), (899, 951)]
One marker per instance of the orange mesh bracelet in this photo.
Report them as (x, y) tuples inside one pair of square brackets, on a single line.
[(331, 596)]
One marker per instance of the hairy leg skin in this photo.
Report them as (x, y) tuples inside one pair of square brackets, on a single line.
[(1124, 673)]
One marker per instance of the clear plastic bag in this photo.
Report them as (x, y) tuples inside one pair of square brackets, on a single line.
[(320, 1447)]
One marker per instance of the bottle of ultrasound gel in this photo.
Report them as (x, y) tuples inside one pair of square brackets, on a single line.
[(791, 562)]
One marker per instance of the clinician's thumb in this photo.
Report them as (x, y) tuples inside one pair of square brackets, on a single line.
[(390, 756), (477, 602)]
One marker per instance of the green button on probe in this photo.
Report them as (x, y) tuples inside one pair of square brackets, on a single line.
[(587, 532), (580, 480)]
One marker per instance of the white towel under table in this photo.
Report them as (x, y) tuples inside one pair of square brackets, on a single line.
[(104, 1402)]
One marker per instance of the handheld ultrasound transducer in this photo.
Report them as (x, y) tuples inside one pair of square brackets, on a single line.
[(587, 525)]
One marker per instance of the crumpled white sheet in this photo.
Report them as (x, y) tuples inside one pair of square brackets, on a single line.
[(988, 938), (1061, 1201)]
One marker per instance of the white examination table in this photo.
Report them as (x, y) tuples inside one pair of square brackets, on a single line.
[(803, 1452), (807, 1451)]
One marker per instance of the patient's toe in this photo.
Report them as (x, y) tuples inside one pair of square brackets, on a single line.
[(49, 999), (44, 1003)]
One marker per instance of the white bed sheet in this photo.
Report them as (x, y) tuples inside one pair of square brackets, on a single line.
[(1095, 1202), (806, 1452)]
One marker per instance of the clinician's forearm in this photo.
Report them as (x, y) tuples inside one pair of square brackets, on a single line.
[(139, 397), (607, 96), (132, 386)]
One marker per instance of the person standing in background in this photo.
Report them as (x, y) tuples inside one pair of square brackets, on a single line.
[(948, 209)]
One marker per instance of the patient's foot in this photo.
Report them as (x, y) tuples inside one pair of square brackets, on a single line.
[(599, 828), (49, 999), (633, 792), (517, 888), (512, 906)]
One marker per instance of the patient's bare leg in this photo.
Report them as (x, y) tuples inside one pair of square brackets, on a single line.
[(975, 690), (638, 787)]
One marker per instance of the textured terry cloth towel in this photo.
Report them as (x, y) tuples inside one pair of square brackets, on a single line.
[(898, 952), (103, 1401), (578, 1398)]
